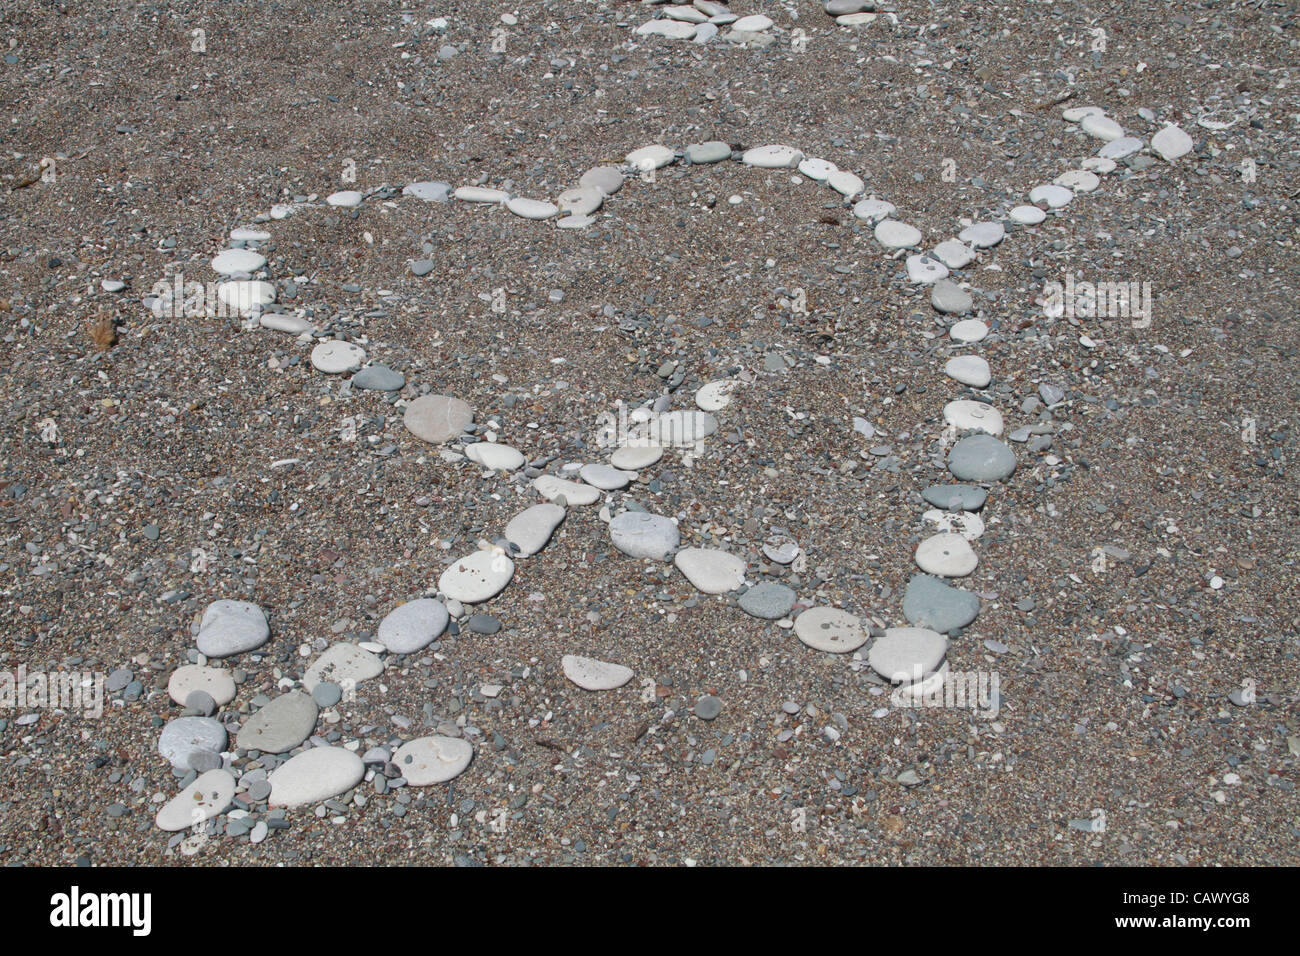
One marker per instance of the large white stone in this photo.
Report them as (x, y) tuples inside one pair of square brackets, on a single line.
[(772, 156), (412, 626), (1172, 143), (818, 170), (606, 477), (229, 261), (1080, 180), (673, 29), (591, 674), (893, 234), (845, 183), (315, 775), (830, 629), (681, 429), (347, 198), (437, 418), (495, 456), (968, 331), (710, 570), (573, 492), (344, 664), (244, 296), (907, 654), (954, 254), (969, 370), (966, 415), (429, 760), (716, 396), (477, 577), (651, 157), (185, 737), (231, 627), (480, 194), (293, 324), (636, 456), (337, 357), (217, 682), (581, 200), (639, 534), (1102, 127), (946, 555), (873, 210), (1027, 215), (753, 23), (983, 235), (965, 523), (1120, 148), (532, 208), (923, 269), (208, 796), (1053, 195), (533, 527)]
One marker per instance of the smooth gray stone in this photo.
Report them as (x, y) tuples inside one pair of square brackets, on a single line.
[(981, 458), (713, 151), (956, 497), (928, 602), (381, 378), (1051, 394), (327, 693), (708, 707), (186, 736), (201, 701), (429, 191), (231, 627), (281, 725), (843, 8), (532, 528), (947, 296), (437, 418), (413, 625), (639, 534), (769, 600), (421, 267)]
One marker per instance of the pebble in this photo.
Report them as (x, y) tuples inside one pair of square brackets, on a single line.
[(875, 211), (711, 570), (772, 156), (281, 725), (346, 198), (1053, 195), (437, 418), (231, 627), (1172, 143), (969, 370), (208, 796), (532, 528), (970, 526), (930, 603), (327, 694), (413, 626), (893, 234), (907, 654), (983, 235), (248, 234), (969, 331), (954, 254), (605, 477), (781, 549), (480, 194), (981, 458), (681, 429), (946, 555), (673, 29), (336, 357), (551, 487), (185, 736), (710, 152), (293, 324), (315, 775), (818, 170), (1101, 126), (636, 456), (640, 534), (591, 674), (708, 707), (580, 201), (429, 191), (201, 702), (649, 158), (965, 415), (478, 577), (429, 760), (1027, 215), (1121, 148), (769, 600), (494, 456), (245, 296), (231, 261), (956, 497), (948, 297), (715, 396), (845, 183), (1079, 180), (923, 269), (379, 378), (216, 682), (605, 179), (830, 629), (532, 208), (753, 24), (344, 664)]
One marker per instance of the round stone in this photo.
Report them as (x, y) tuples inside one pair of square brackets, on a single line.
[(216, 682), (207, 797), (1099, 165), (954, 254), (981, 458), (201, 702), (532, 208), (495, 456), (830, 629), (281, 725), (347, 198), (907, 654), (893, 234), (591, 674), (478, 577), (648, 158), (708, 707), (574, 493), (711, 570), (1027, 215), (681, 429), (327, 694), (412, 626), (713, 151), (531, 529), (1172, 143), (929, 602), (1080, 180), (968, 331), (845, 183), (924, 270), (336, 357), (753, 23), (950, 298), (716, 396), (769, 600), (184, 737), (1051, 195), (673, 29), (956, 497), (772, 156), (231, 627), (429, 191), (581, 200), (874, 210), (818, 170), (983, 235), (231, 261), (606, 477), (639, 534), (379, 378), (966, 415), (780, 549), (344, 664), (1101, 126), (637, 456), (437, 418), (929, 688), (429, 760), (481, 194), (969, 370), (315, 775), (606, 179), (1077, 113), (946, 555), (245, 296)]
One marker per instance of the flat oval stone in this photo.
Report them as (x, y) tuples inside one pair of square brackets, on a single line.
[(1172, 143), (606, 477), (753, 23), (1052, 195), (946, 555), (553, 488), (1099, 165), (930, 603), (246, 296), (186, 737), (830, 629), (606, 179), (1080, 180), (230, 261), (686, 14), (581, 200), (769, 600), (231, 627), (845, 183), (818, 170), (344, 664), (893, 234), (574, 222), (532, 208), (966, 415), (1101, 126), (346, 198), (429, 760), (207, 797), (478, 577), (315, 775), (714, 151), (379, 378), (855, 19), (844, 8), (1027, 215), (293, 324), (480, 194), (1121, 148), (336, 357), (249, 234), (1076, 114), (437, 418), (710, 570), (981, 458), (495, 456), (673, 29), (873, 210), (983, 235), (216, 682), (968, 331), (950, 298), (716, 396), (412, 626), (281, 725), (429, 191), (591, 674), (924, 270), (532, 528), (634, 457), (965, 523), (639, 534), (929, 687), (969, 370), (954, 254), (652, 157), (956, 497), (681, 429), (907, 654), (773, 155)]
